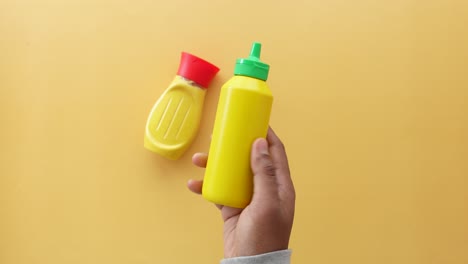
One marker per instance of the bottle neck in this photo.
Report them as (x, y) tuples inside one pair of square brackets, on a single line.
[(192, 83)]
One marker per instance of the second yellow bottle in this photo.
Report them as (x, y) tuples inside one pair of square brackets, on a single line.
[(242, 116)]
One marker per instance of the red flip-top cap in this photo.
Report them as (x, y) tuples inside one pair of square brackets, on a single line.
[(196, 69)]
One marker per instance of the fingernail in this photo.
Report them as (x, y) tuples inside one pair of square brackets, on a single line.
[(262, 146)]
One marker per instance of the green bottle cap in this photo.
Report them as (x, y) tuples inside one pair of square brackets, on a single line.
[(252, 66)]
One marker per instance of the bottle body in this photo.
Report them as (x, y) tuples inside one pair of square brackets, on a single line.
[(242, 116), (174, 120)]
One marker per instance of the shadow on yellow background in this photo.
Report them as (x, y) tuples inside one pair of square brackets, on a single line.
[(370, 100)]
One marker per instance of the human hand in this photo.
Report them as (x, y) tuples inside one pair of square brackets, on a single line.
[(265, 224)]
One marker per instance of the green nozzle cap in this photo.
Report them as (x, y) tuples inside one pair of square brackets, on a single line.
[(252, 66)]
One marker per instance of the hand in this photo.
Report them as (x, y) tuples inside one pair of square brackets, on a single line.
[(265, 224)]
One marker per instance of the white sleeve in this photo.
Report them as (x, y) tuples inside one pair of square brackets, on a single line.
[(276, 257)]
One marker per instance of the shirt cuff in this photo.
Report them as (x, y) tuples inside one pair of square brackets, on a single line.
[(276, 257)]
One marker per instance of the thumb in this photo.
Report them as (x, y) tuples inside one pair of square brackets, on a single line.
[(265, 183)]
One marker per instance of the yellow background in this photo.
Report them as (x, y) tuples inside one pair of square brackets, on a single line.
[(371, 100)]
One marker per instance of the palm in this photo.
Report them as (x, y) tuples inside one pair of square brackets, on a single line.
[(231, 217)]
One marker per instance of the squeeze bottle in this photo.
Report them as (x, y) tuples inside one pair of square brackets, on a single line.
[(175, 117), (242, 116)]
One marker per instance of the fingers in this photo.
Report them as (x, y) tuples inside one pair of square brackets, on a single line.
[(265, 183), (200, 159), (195, 186)]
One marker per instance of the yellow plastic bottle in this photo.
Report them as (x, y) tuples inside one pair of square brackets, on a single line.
[(242, 116), (174, 119)]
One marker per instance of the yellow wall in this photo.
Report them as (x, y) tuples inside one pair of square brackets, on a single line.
[(371, 100)]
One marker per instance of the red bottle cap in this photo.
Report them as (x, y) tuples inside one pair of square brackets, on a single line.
[(196, 69)]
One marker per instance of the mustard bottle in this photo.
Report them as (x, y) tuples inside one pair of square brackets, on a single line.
[(242, 116), (173, 122)]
